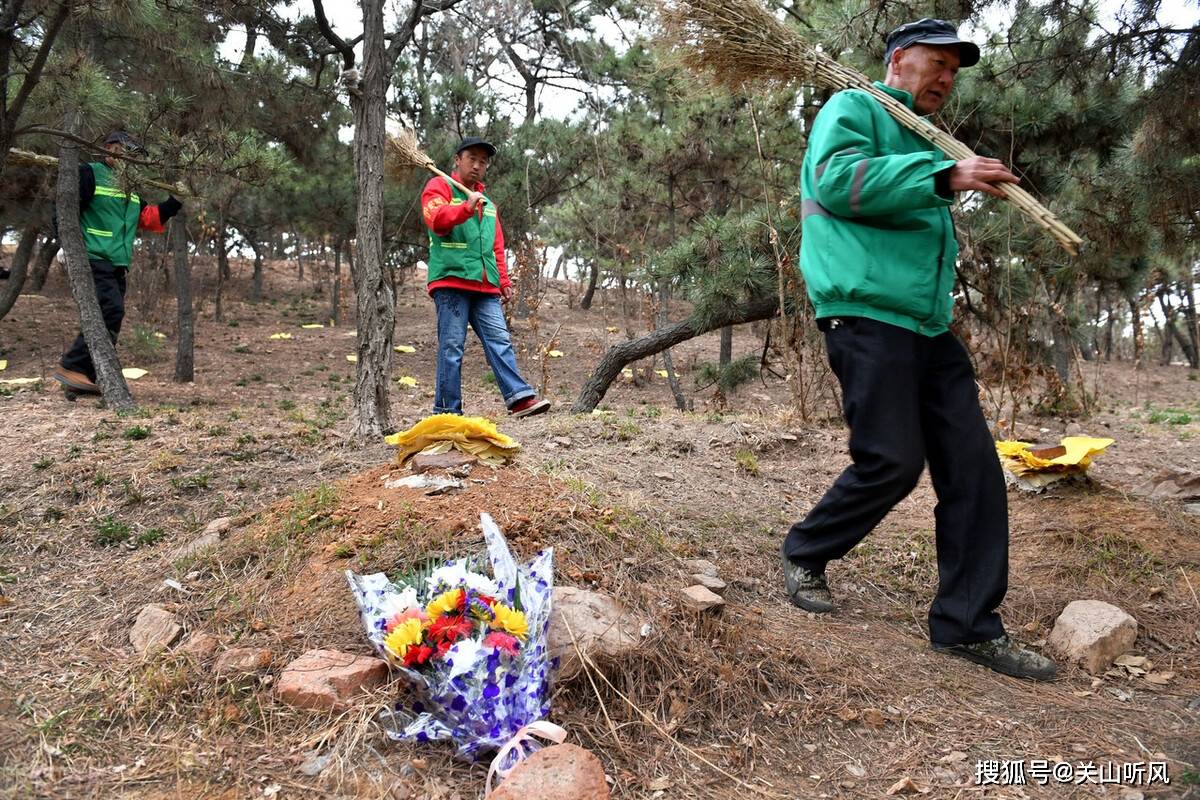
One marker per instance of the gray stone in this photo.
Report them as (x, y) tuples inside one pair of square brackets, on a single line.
[(1192, 508), (200, 646), (699, 598), (699, 565), (424, 462), (212, 535), (155, 629), (315, 764), (1093, 634), (709, 582), (243, 661), (604, 628)]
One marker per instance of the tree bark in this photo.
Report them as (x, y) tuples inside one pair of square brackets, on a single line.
[(18, 269), (586, 302), (256, 283), (91, 321), (376, 302), (656, 341), (185, 355), (41, 264), (725, 356), (335, 303)]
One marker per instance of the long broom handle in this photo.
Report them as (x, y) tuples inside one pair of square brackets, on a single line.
[(430, 166), (27, 159)]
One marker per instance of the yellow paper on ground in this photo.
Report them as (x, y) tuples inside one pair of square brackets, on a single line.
[(281, 336), (407, 380), (133, 373), (1038, 467), (158, 335), (611, 329), (627, 372), (403, 348), (555, 353), (312, 326), (3, 364), (475, 435), (20, 381), (352, 359), (662, 373)]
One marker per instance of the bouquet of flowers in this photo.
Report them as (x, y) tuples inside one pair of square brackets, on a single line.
[(472, 647)]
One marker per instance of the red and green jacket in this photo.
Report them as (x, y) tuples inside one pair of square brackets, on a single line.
[(466, 251), (111, 218)]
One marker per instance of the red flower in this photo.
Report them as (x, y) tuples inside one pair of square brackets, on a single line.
[(417, 654), (443, 648), (502, 641), (449, 628)]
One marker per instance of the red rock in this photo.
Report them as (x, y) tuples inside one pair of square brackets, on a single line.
[(327, 679), (155, 629), (200, 646), (558, 772), (699, 598), (425, 462), (243, 661)]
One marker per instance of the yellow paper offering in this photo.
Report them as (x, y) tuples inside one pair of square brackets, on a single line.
[(133, 373), (403, 348), (555, 353), (352, 359), (281, 336), (3, 364), (312, 326), (1036, 468), (20, 381), (440, 432), (407, 380), (662, 373)]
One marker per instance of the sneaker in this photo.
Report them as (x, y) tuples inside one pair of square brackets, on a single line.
[(1005, 656), (529, 407), (75, 381), (807, 590)]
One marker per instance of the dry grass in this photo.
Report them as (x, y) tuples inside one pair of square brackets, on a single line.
[(764, 692)]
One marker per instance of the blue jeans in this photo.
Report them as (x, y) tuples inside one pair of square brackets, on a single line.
[(455, 308)]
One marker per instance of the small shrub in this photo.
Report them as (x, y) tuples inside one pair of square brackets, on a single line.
[(45, 462), (747, 462), (143, 344), (136, 432), (150, 536), (110, 531)]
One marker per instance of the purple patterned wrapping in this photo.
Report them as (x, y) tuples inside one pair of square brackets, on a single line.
[(477, 696)]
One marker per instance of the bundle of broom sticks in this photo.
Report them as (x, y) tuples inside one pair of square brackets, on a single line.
[(24, 158), (404, 153), (739, 42)]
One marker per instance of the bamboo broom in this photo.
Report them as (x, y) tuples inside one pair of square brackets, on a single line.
[(739, 41), (404, 153), (24, 158)]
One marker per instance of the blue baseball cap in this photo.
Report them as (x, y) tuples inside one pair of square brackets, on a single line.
[(931, 31)]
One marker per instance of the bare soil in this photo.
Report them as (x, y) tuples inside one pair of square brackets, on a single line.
[(94, 507)]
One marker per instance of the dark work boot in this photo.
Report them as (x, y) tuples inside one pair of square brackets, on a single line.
[(1005, 656), (807, 590)]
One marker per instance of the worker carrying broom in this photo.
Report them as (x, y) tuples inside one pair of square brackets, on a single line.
[(878, 254), (468, 277), (111, 218)]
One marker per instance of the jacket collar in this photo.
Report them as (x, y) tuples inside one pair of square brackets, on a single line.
[(899, 94), (479, 187)]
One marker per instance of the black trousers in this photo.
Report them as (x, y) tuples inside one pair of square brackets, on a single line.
[(110, 291), (911, 399)]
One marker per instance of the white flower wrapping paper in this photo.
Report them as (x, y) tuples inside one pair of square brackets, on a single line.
[(476, 696)]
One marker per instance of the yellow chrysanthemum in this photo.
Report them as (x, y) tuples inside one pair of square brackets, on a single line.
[(404, 636), (511, 621), (444, 603)]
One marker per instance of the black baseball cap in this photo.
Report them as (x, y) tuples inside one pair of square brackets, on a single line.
[(931, 31), (475, 141), (126, 140)]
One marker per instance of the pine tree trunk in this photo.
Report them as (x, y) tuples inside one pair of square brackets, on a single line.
[(656, 341), (299, 257), (222, 270), (376, 302), (185, 334), (256, 283), (335, 303), (1191, 323), (1108, 329), (41, 264), (18, 269), (586, 302), (725, 357), (91, 321), (1139, 334)]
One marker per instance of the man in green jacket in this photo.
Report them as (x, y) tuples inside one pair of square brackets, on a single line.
[(111, 217), (878, 254)]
